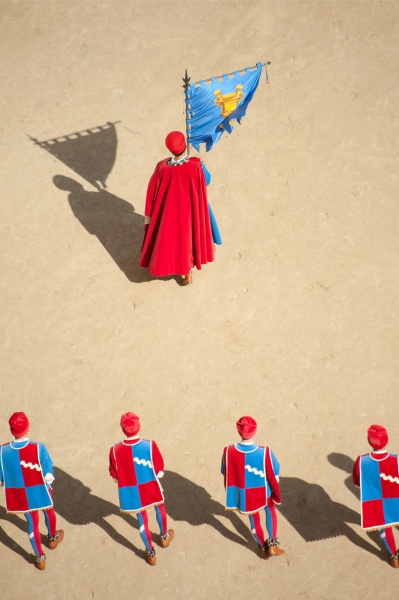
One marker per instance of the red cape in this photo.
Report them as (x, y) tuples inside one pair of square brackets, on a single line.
[(179, 235)]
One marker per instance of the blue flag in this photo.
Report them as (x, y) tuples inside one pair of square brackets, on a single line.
[(212, 104)]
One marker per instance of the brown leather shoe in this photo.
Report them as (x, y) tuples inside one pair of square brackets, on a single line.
[(57, 539), (167, 538), (263, 553), (40, 562), (275, 551), (188, 279), (150, 557), (394, 560), (273, 548)]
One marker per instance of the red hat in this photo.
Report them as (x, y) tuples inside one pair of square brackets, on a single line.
[(176, 142), (246, 427), (19, 424), (377, 436), (130, 424)]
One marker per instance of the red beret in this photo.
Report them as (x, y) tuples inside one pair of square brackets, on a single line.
[(19, 424), (246, 427), (377, 436), (130, 424), (176, 142)]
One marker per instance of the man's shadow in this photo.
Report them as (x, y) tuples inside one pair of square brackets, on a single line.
[(113, 221), (317, 517), (78, 506), (8, 541), (314, 515), (187, 501)]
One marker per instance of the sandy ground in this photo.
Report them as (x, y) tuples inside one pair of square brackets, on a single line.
[(295, 323)]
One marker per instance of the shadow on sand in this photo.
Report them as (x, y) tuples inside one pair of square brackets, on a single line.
[(113, 221), (5, 539), (78, 506), (189, 502), (315, 516)]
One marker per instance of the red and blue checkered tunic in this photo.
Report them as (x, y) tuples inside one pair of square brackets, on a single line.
[(251, 477), (379, 491), (22, 466), (135, 464)]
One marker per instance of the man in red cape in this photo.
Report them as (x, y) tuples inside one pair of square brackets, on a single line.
[(178, 233)]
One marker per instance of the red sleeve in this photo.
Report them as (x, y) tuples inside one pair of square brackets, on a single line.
[(356, 472), (113, 471), (157, 459), (223, 467), (271, 478)]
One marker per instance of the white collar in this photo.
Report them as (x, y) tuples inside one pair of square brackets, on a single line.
[(176, 162)]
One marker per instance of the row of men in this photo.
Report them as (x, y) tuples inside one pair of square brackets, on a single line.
[(251, 479)]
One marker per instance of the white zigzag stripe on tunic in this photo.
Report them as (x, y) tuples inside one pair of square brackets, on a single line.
[(29, 465), (389, 478), (141, 461), (255, 471)]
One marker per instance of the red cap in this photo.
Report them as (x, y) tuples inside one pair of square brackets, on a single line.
[(19, 424), (176, 142), (130, 424), (246, 427), (377, 436)]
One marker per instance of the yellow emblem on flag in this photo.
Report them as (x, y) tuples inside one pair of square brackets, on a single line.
[(228, 102)]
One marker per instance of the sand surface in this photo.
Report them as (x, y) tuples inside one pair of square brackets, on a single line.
[(295, 323)]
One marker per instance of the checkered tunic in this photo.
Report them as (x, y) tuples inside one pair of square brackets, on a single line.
[(251, 477), (379, 491), (135, 465), (22, 473)]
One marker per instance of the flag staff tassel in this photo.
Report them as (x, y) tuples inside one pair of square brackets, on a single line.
[(186, 87)]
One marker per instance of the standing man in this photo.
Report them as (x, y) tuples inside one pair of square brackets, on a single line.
[(251, 474), (137, 465), (26, 471), (377, 475), (178, 233)]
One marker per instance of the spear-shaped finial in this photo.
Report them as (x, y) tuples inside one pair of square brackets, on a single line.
[(186, 87), (186, 80)]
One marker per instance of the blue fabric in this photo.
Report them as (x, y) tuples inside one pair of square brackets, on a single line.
[(45, 460), (143, 532), (31, 534), (11, 467), (207, 175), (142, 462), (235, 497), (38, 497), (129, 498), (205, 116), (391, 509), (159, 520), (370, 480), (216, 237)]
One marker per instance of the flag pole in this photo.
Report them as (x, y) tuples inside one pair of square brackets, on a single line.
[(186, 87)]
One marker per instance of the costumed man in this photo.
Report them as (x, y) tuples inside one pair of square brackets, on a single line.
[(178, 232), (26, 471), (251, 475), (137, 465), (377, 475)]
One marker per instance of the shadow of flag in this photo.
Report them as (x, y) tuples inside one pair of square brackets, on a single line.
[(90, 153)]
